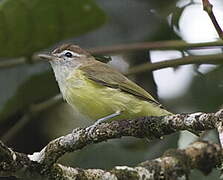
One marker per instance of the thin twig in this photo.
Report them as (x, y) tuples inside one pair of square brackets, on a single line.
[(16, 128), (12, 63), (204, 59), (157, 45), (32, 111), (117, 49), (37, 108), (208, 7)]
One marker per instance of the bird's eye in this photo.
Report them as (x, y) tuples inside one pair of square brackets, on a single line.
[(68, 54)]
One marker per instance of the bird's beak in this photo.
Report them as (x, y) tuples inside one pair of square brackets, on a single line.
[(46, 57)]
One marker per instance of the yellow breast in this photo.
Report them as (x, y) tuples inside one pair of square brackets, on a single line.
[(97, 101)]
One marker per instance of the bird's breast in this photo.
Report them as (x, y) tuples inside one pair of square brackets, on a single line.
[(96, 101)]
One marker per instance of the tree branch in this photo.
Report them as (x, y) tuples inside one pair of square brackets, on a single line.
[(123, 48), (207, 6), (174, 164), (204, 59), (12, 63), (171, 165), (157, 45), (149, 127)]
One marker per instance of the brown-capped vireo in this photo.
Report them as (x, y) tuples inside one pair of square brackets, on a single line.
[(96, 89)]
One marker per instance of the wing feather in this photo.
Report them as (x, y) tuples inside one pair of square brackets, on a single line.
[(103, 74)]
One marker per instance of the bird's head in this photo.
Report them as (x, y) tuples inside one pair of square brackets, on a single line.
[(67, 54)]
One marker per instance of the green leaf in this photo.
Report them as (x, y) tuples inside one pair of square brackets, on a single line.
[(29, 26), (37, 88)]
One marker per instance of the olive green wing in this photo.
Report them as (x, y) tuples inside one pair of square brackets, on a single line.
[(103, 74)]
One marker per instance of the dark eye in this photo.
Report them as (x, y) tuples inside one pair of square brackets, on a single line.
[(68, 54)]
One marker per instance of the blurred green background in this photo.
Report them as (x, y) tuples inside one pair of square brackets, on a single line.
[(31, 26)]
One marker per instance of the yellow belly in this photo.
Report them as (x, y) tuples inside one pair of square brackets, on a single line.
[(97, 101)]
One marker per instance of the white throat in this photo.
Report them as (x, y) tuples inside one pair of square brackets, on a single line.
[(62, 70)]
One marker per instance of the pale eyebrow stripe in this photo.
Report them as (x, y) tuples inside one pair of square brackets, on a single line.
[(65, 51)]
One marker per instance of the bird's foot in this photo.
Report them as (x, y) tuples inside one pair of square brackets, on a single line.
[(91, 128)]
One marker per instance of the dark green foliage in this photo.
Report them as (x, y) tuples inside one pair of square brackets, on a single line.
[(29, 26)]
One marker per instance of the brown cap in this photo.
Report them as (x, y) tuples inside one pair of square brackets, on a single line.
[(71, 47)]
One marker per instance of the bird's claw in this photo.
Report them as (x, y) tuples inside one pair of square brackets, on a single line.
[(91, 128)]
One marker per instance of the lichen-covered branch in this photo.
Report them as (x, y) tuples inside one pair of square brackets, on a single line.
[(149, 127), (174, 164)]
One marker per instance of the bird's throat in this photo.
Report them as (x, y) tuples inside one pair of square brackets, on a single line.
[(62, 72)]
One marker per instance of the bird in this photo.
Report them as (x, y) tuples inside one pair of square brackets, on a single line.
[(97, 90)]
